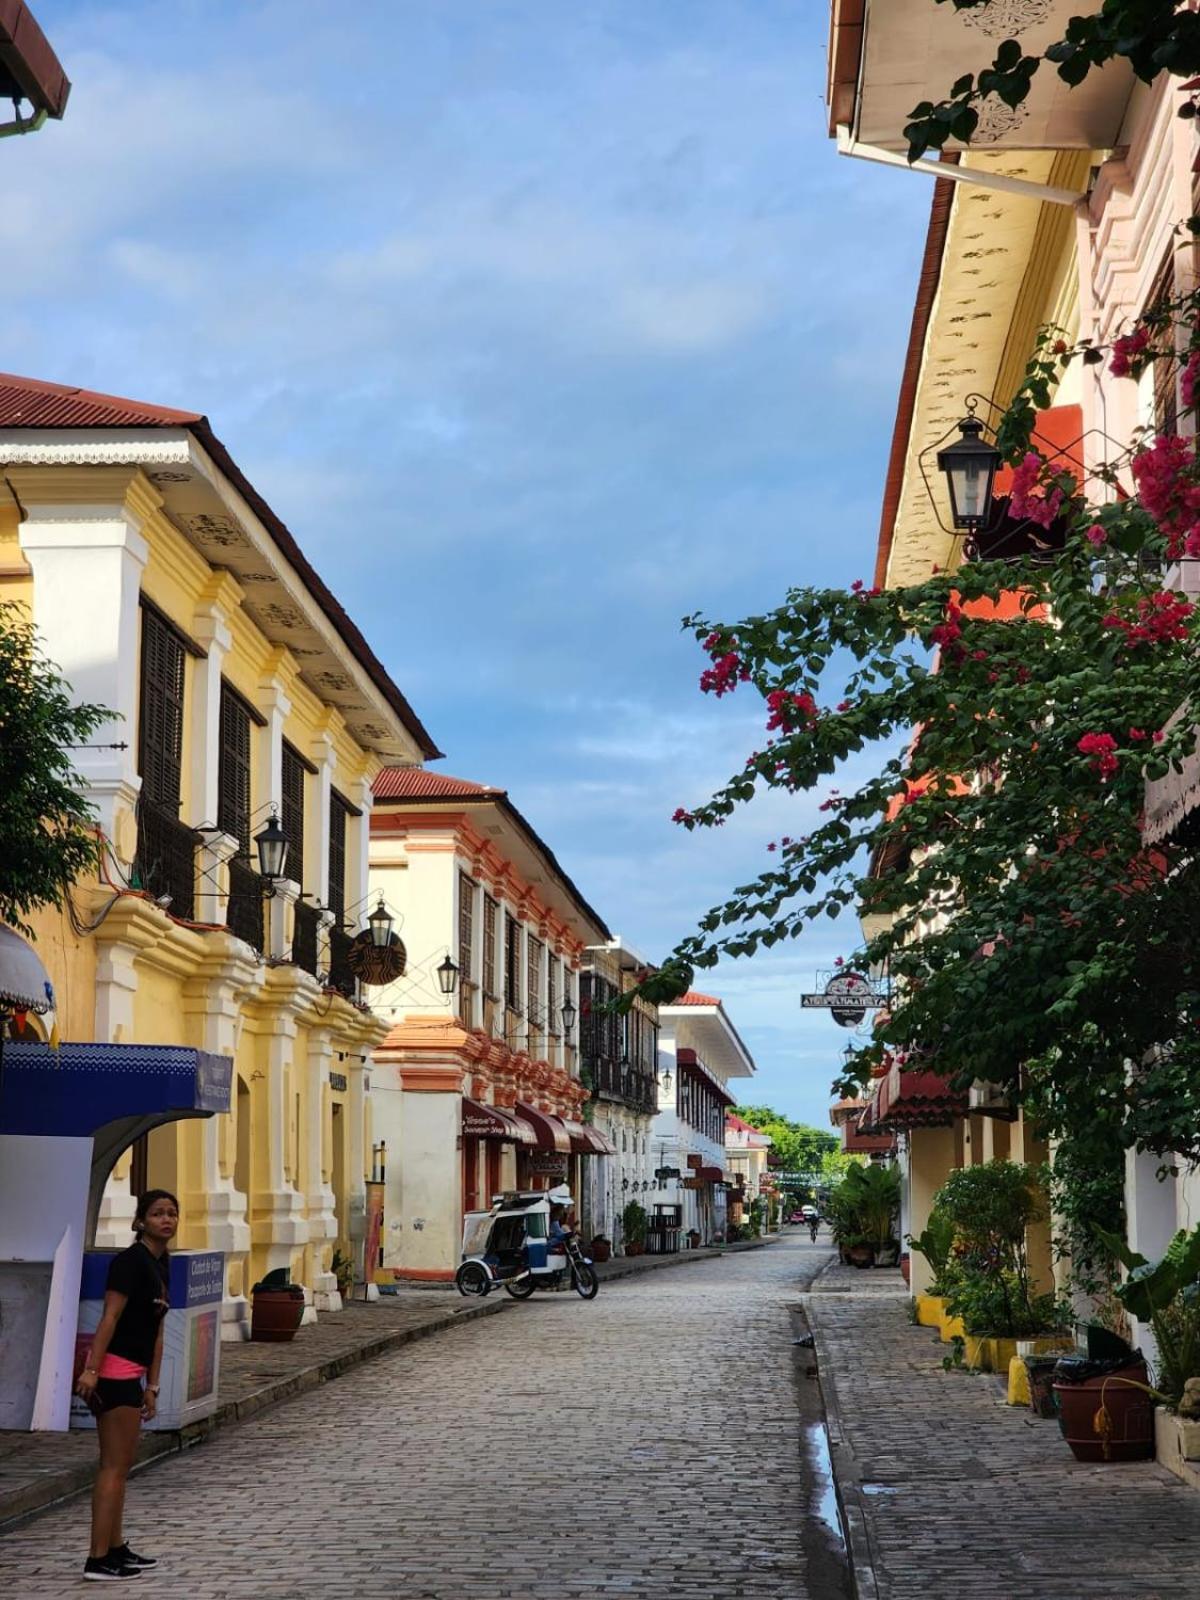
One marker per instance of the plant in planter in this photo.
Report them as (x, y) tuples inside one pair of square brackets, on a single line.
[(986, 1278), (600, 1248), (863, 1211), (342, 1267), (633, 1219), (1167, 1296), (935, 1242)]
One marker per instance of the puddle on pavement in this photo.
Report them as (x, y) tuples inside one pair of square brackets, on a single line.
[(824, 1496), (879, 1488)]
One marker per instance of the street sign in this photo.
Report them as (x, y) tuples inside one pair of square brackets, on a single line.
[(847, 995), (663, 1173)]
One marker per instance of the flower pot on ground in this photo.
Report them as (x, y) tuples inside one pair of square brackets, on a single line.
[(859, 1253), (952, 1328), (905, 1264), (342, 1267), (1167, 1297), (888, 1254), (693, 1238), (633, 1220), (1040, 1370), (600, 1248), (277, 1306), (1105, 1412)]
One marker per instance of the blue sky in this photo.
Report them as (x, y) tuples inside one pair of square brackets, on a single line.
[(542, 323)]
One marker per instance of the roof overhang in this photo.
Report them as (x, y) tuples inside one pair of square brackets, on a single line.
[(29, 69), (224, 524), (886, 56), (708, 1031)]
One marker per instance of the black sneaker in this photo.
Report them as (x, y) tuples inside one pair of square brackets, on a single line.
[(108, 1569), (130, 1558)]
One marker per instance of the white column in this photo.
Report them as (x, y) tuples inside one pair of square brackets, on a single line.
[(358, 851), (316, 838), (87, 563), (319, 1197), (278, 1209), (116, 985)]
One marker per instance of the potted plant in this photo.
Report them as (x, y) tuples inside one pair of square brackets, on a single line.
[(693, 1238), (342, 1267), (633, 1219), (935, 1243), (600, 1248), (857, 1251), (277, 1305), (987, 1280)]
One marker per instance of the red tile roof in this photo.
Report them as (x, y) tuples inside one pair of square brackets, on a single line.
[(692, 998), (32, 403), (418, 783)]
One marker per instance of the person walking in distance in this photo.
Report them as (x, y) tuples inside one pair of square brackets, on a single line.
[(119, 1381)]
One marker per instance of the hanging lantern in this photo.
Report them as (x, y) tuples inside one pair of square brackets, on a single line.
[(970, 469)]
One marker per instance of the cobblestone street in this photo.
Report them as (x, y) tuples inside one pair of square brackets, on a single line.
[(655, 1442)]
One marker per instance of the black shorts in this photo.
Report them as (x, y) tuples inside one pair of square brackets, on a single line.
[(114, 1392)]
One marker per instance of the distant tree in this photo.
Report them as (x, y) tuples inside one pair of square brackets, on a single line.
[(46, 831), (798, 1146)]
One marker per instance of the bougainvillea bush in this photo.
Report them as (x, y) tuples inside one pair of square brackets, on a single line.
[(1032, 937)]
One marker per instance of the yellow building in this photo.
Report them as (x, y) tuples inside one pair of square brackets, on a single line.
[(165, 588)]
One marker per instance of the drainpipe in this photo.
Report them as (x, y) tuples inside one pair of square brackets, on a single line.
[(981, 177)]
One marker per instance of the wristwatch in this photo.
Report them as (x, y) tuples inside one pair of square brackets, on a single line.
[(152, 1388)]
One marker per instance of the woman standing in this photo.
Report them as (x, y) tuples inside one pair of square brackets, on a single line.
[(120, 1380)]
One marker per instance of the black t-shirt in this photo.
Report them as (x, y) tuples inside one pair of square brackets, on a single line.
[(145, 1279)]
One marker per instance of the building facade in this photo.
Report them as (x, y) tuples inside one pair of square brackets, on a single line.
[(699, 1052), (619, 1064), (747, 1152), (475, 1091), (166, 589)]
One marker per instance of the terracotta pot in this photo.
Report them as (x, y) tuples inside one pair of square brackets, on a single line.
[(905, 1264), (600, 1250), (632, 1249), (860, 1255), (1130, 1414), (275, 1315)]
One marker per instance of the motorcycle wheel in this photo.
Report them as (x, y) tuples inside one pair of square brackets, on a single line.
[(472, 1279), (522, 1289), (585, 1282)]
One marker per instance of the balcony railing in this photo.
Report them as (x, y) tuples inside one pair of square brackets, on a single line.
[(166, 858), (615, 1080), (244, 918), (340, 976), (304, 937)]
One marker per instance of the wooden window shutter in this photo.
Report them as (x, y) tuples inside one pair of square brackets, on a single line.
[(489, 946), (160, 732), (339, 812), (233, 770), (291, 818), (466, 927)]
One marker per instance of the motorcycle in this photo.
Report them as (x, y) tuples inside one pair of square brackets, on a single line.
[(510, 1245)]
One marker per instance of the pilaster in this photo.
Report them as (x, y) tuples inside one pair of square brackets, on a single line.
[(210, 625)]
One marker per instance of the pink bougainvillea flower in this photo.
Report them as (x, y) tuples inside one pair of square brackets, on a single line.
[(771, 846), (1102, 747), (1126, 350), (680, 815), (856, 586), (1158, 737), (1159, 618), (1095, 534), (1136, 735)]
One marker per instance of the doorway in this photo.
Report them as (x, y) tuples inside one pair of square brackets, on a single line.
[(339, 1169)]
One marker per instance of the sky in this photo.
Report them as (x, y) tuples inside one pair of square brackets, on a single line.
[(542, 323)]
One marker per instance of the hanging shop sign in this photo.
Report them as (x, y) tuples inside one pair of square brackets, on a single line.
[(337, 1080), (547, 1163), (848, 996), (663, 1173)]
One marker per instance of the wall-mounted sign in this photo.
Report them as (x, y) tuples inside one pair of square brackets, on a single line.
[(337, 1080), (848, 995), (547, 1163), (663, 1173), (693, 1183)]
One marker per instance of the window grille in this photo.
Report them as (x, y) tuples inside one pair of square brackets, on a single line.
[(160, 731), (339, 814), (233, 769), (489, 947), (552, 1017), (291, 813)]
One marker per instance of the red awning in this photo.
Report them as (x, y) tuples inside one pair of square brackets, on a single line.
[(587, 1140), (711, 1175), (495, 1122), (913, 1100), (550, 1132)]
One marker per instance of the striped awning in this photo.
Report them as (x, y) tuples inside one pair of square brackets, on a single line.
[(481, 1121)]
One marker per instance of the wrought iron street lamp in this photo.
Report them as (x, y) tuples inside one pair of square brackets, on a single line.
[(381, 923), (568, 1016), (272, 847), (667, 1081), (970, 468), (448, 975)]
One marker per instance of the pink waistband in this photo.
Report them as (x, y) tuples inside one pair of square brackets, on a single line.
[(117, 1367)]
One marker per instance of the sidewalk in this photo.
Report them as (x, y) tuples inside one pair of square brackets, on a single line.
[(949, 1494), (36, 1469)]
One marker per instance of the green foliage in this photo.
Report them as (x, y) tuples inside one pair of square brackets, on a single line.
[(990, 1208), (935, 1243), (1166, 1294), (865, 1206), (1152, 35), (799, 1147), (46, 836), (633, 1219)]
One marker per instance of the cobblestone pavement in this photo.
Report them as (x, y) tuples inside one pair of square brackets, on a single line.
[(966, 1498), (650, 1443)]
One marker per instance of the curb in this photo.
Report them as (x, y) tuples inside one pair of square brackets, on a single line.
[(846, 1477)]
